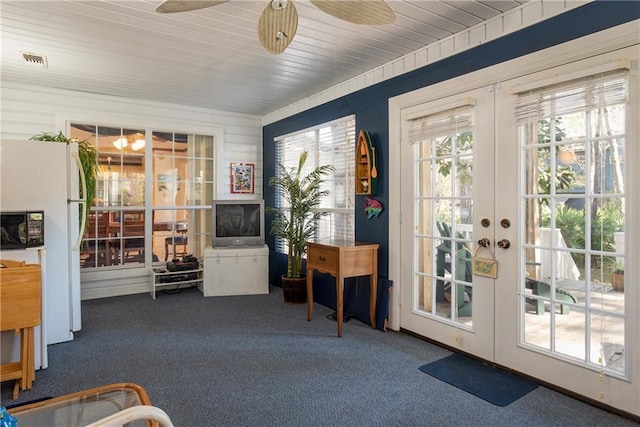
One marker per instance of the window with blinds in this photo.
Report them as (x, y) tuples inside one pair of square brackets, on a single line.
[(331, 143), (593, 93), (444, 123)]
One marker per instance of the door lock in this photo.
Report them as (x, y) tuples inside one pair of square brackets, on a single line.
[(504, 244), (484, 242)]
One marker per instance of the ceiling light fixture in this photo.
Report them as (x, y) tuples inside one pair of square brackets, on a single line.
[(565, 158), (279, 5), (138, 144), (120, 143)]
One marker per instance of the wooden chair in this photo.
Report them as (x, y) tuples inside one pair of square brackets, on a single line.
[(129, 242), (463, 269), (128, 238), (177, 240), (95, 250), (20, 311), (543, 289), (133, 243)]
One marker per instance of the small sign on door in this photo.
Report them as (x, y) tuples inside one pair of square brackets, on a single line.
[(485, 267)]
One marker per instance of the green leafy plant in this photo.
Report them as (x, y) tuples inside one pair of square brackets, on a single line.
[(463, 144), (608, 220), (88, 156), (617, 267), (297, 222)]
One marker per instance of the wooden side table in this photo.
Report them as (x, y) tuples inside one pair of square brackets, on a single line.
[(20, 310), (342, 259)]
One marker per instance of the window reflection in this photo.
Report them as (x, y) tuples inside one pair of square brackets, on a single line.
[(127, 221)]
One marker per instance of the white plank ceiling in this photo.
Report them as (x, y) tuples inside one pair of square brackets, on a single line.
[(211, 57)]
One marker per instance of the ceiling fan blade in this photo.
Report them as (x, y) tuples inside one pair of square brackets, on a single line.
[(172, 6), (365, 12), (277, 25)]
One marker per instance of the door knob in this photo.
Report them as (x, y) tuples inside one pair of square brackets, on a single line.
[(484, 242), (504, 244)]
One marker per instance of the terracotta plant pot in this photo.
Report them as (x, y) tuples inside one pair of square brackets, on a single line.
[(617, 280), (294, 290)]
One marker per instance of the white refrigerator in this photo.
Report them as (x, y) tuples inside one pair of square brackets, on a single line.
[(45, 176)]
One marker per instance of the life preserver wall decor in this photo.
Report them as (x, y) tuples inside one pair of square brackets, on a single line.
[(366, 168)]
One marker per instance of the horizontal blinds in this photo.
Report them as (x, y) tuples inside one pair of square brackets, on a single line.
[(447, 122), (332, 144), (574, 96), (336, 147)]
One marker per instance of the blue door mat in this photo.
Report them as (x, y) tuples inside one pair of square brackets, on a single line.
[(480, 379)]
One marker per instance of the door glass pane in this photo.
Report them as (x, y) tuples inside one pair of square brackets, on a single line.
[(424, 271), (443, 225), (573, 299), (569, 338), (608, 330)]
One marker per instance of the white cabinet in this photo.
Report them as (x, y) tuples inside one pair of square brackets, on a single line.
[(235, 271), (160, 277)]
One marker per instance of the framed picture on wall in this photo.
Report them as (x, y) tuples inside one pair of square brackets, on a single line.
[(242, 177)]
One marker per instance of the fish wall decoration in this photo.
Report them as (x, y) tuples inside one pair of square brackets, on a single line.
[(372, 207)]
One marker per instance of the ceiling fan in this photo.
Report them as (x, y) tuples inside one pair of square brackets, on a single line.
[(279, 20)]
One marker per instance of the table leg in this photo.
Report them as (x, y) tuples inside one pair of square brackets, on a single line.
[(373, 300), (24, 358), (31, 371), (309, 294), (107, 252), (339, 302)]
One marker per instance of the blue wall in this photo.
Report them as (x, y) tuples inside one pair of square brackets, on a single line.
[(370, 106)]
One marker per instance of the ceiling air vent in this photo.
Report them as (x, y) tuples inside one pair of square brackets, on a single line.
[(34, 59)]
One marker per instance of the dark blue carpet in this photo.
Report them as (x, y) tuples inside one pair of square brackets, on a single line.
[(485, 381)]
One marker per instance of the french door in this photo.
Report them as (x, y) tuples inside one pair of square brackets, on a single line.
[(514, 200), (448, 160)]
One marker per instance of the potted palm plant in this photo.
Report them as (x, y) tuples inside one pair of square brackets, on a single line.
[(296, 222)]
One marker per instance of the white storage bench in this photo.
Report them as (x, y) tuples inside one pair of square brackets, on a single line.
[(235, 271)]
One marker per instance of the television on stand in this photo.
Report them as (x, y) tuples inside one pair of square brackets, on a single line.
[(238, 223)]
